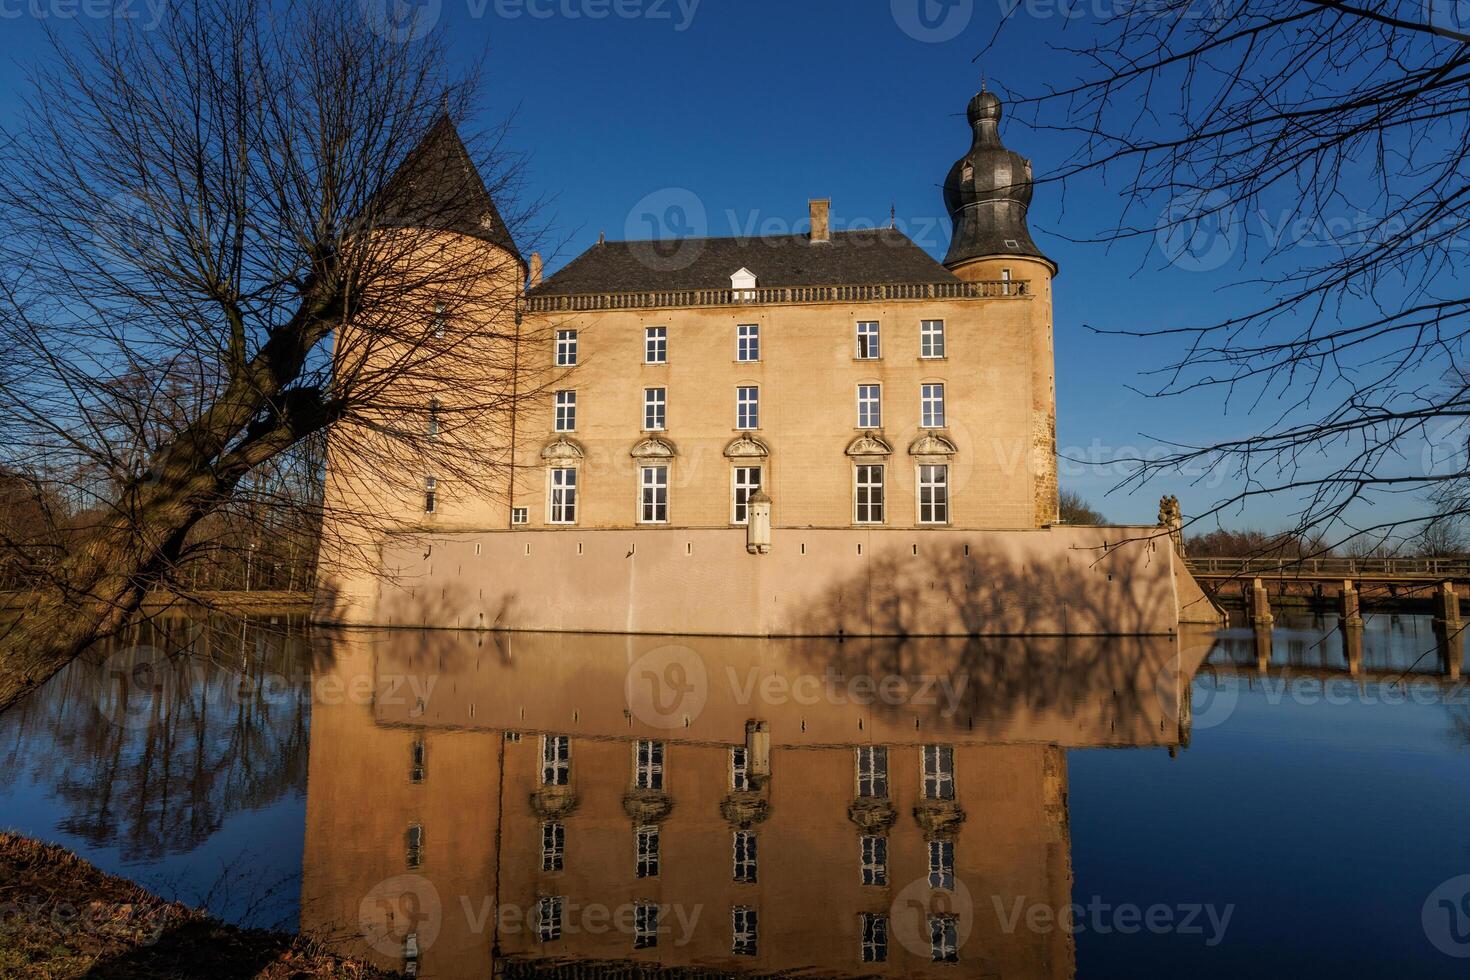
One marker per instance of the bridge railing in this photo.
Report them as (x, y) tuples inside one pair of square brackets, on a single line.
[(1437, 568)]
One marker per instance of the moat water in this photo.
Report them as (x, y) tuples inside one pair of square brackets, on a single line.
[(543, 805)]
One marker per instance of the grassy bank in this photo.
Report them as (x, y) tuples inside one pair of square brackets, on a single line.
[(62, 917)]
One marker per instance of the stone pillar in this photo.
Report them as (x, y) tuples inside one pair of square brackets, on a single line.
[(1263, 648), (1352, 645), (758, 524), (1348, 607), (1447, 606), (1261, 617)]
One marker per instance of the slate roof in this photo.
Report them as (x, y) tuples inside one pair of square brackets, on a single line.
[(438, 186), (865, 257)]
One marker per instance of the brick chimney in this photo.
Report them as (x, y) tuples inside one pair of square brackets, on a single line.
[(535, 270), (821, 229)]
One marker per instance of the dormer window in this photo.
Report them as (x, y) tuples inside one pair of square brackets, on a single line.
[(743, 284)]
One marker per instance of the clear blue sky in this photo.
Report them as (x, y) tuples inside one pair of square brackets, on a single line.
[(757, 105)]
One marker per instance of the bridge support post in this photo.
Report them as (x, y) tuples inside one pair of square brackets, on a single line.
[(1260, 606), (1348, 607), (1448, 629), (1447, 606)]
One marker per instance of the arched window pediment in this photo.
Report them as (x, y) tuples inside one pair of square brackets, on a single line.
[(868, 444), (562, 450), (747, 447), (932, 444), (654, 448)]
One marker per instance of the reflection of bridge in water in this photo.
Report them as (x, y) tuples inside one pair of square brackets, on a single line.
[(1339, 653)]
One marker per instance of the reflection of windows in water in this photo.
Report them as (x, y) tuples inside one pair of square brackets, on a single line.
[(875, 938), (645, 925), (556, 760), (872, 771), (742, 931), (744, 846), (938, 772), (548, 918), (944, 944), (941, 864), (416, 764), (415, 846), (740, 768), (553, 846), (875, 860), (645, 858), (648, 767)]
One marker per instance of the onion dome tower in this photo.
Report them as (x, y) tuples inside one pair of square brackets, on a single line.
[(987, 192)]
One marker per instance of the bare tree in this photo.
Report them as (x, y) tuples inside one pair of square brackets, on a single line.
[(1347, 116), (1074, 510), (224, 237)]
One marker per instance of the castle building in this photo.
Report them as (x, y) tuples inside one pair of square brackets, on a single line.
[(766, 423)]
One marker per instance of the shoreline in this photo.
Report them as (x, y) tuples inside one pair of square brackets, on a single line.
[(62, 917)]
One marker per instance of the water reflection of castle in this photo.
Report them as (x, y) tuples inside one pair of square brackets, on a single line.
[(571, 805)]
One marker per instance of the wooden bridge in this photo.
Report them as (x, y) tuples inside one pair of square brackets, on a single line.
[(1408, 571)]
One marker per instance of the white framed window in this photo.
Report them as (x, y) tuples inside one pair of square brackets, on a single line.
[(648, 764), (548, 918), (931, 338), (743, 843), (655, 345), (875, 938), (566, 348), (944, 938), (1005, 278), (931, 405), (653, 495), (415, 846), (645, 852), (938, 772), (869, 406), (520, 515), (431, 495), (748, 342), (744, 482), (941, 864), (743, 929), (747, 407), (868, 495), (434, 406), (874, 859), (739, 768), (556, 760), (933, 493), (872, 771), (561, 495), (566, 410), (645, 925), (441, 319), (868, 347), (553, 845), (655, 404)]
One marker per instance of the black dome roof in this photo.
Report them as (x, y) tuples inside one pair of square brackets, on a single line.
[(988, 191)]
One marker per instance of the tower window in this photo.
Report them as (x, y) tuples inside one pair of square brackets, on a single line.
[(931, 338), (431, 495), (745, 482), (655, 345), (867, 340), (561, 501), (556, 760), (933, 494), (434, 405), (645, 852), (748, 342), (566, 410), (931, 404), (653, 503), (747, 407), (566, 348), (655, 403), (869, 496), (938, 772), (869, 407)]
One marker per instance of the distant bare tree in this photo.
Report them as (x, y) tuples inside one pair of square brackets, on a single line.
[(1074, 510), (1443, 538), (1337, 111), (211, 256)]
